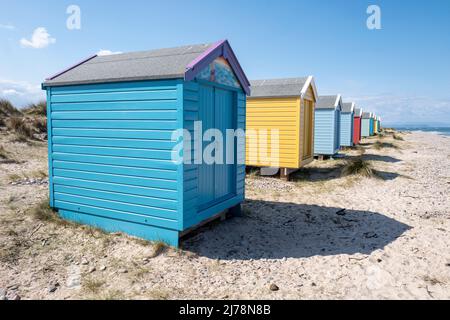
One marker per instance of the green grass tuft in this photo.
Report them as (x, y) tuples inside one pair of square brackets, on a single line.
[(92, 285), (358, 166), (383, 145)]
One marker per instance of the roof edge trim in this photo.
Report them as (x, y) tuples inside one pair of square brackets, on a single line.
[(338, 101), (71, 67)]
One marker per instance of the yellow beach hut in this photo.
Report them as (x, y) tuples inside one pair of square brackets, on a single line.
[(280, 123)]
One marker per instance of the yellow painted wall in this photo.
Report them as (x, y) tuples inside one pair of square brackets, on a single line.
[(282, 114)]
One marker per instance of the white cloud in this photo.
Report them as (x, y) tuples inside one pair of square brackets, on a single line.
[(20, 93), (10, 92), (107, 52), (7, 26), (397, 109), (40, 39)]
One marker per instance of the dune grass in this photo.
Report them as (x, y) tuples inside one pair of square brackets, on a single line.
[(159, 247), (4, 154), (43, 212), (20, 127), (378, 145), (7, 109), (92, 285), (358, 166), (25, 123), (37, 109)]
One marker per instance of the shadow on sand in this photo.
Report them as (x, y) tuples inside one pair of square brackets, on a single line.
[(274, 230), (315, 174), (375, 157)]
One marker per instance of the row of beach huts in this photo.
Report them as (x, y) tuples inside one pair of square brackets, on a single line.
[(309, 125), (111, 121)]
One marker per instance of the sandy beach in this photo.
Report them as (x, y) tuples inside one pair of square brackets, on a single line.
[(319, 236)]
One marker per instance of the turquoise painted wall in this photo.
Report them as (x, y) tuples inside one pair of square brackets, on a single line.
[(110, 152)]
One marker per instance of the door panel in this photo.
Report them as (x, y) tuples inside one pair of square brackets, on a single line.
[(205, 171), (223, 121), (216, 181)]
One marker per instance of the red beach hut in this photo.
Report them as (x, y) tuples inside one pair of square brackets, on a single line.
[(357, 126)]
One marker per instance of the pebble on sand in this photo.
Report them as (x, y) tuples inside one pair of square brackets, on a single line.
[(274, 287)]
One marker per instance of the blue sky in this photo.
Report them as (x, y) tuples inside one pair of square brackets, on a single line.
[(401, 72)]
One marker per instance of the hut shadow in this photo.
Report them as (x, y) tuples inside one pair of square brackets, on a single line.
[(274, 230), (326, 174), (375, 157), (314, 174), (385, 175), (366, 144)]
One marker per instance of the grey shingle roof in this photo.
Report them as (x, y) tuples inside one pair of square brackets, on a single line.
[(326, 102), (347, 107), (366, 115), (289, 87), (144, 65), (358, 112)]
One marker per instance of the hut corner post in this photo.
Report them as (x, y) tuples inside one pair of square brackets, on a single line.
[(50, 147)]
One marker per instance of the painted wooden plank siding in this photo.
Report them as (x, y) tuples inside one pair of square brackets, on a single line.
[(365, 127), (326, 132), (281, 114), (225, 186), (191, 114), (241, 145), (346, 134), (111, 151)]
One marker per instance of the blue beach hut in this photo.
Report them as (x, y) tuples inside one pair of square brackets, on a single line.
[(327, 125), (366, 124), (347, 124), (113, 124)]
